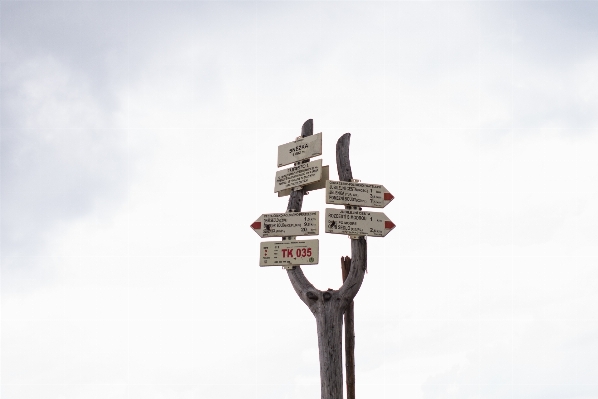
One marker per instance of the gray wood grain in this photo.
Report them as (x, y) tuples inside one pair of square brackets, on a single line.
[(329, 306), (343, 165), (349, 336)]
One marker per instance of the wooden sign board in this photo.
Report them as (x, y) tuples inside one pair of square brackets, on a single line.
[(357, 223), (312, 186), (360, 194), (287, 224), (289, 253), (299, 175), (303, 148)]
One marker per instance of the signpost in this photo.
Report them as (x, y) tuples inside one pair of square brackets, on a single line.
[(289, 253), (287, 224), (302, 148), (298, 176), (327, 306), (357, 223), (360, 194)]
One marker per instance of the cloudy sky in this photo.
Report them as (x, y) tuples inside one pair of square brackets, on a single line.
[(139, 142)]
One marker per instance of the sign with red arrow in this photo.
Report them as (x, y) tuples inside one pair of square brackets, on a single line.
[(360, 194), (289, 224), (357, 223)]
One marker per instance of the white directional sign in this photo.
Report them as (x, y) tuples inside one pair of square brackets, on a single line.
[(283, 253), (361, 194), (287, 224), (303, 148), (311, 186), (299, 175), (357, 223)]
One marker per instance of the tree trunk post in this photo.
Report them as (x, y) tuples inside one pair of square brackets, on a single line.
[(329, 306), (349, 336)]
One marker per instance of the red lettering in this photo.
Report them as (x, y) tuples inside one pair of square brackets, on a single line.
[(308, 251)]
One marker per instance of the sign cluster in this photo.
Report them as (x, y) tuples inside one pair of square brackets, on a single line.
[(353, 221), (306, 175)]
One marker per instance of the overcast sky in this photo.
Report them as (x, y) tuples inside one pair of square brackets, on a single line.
[(139, 142)]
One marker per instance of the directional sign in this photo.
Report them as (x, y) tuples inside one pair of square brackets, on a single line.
[(357, 223), (361, 194), (283, 253), (287, 224), (303, 148), (312, 186), (299, 175)]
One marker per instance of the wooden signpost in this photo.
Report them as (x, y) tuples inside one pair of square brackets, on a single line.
[(328, 306)]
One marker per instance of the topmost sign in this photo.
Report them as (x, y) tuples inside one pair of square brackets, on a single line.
[(303, 148)]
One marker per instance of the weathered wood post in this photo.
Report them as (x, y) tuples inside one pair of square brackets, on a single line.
[(329, 306), (349, 335)]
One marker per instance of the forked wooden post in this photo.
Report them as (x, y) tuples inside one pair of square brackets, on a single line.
[(329, 306)]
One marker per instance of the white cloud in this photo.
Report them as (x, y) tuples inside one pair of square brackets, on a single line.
[(128, 185)]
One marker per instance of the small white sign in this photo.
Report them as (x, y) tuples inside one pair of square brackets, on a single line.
[(360, 194), (284, 253), (299, 175), (357, 223), (312, 186), (287, 224), (303, 148)]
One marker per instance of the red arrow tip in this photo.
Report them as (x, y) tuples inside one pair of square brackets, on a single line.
[(388, 196), (388, 224), (256, 225)]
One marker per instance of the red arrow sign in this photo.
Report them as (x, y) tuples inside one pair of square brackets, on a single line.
[(359, 194), (287, 224)]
